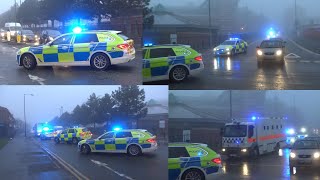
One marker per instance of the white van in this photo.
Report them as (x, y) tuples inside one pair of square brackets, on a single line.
[(12, 30)]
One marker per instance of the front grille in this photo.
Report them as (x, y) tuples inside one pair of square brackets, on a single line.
[(269, 53), (304, 156), (233, 140)]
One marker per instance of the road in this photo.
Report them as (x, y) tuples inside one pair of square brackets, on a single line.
[(112, 166), (12, 74), (270, 166), (242, 73)]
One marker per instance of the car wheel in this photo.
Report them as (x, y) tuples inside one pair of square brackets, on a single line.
[(178, 74), (85, 149), (100, 61), (28, 61), (75, 140), (57, 140), (134, 150), (194, 174)]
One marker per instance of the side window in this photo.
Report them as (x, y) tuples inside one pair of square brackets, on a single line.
[(123, 134), (71, 131), (251, 131), (64, 132), (177, 152), (63, 40), (161, 52), (108, 135), (86, 38)]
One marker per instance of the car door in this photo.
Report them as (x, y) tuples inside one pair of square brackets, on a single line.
[(104, 143), (71, 134), (122, 139), (160, 61), (178, 156), (83, 46), (63, 135), (58, 50)]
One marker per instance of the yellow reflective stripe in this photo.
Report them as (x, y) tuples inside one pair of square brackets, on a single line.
[(159, 62), (66, 57), (121, 141), (50, 50), (83, 47), (146, 72), (40, 56), (110, 147)]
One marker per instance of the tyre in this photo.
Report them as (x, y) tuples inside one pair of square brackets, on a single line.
[(134, 150), (75, 140), (28, 61), (57, 140), (85, 149), (193, 174), (178, 74), (100, 61)]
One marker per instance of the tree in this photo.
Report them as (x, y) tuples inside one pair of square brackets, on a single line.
[(130, 101), (93, 105), (29, 12)]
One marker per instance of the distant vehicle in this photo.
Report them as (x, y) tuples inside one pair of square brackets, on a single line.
[(131, 141), (193, 161), (271, 50), (37, 129), (47, 132), (174, 62), (304, 153), (316, 138), (28, 36), (73, 135), (13, 29), (3, 34), (231, 47), (57, 130), (253, 136), (48, 35)]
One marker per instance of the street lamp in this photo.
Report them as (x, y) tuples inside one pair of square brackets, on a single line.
[(303, 130), (24, 112)]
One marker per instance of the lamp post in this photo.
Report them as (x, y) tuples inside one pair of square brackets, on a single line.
[(24, 112)]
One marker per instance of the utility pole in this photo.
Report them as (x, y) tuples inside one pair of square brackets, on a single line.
[(295, 16), (24, 113), (230, 91), (210, 24)]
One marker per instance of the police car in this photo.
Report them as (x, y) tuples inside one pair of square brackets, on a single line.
[(73, 135), (98, 49), (133, 142), (172, 62), (231, 47), (193, 161), (46, 133)]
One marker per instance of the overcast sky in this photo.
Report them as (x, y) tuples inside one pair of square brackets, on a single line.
[(47, 100)]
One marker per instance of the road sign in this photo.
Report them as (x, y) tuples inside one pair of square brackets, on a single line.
[(292, 56)]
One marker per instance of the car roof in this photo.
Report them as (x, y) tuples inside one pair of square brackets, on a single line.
[(126, 130), (184, 144), (166, 46)]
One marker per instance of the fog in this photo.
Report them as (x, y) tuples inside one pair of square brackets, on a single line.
[(47, 100)]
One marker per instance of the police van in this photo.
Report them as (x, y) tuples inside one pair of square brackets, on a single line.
[(253, 136), (13, 29)]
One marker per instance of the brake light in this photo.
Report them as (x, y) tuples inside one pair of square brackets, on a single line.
[(216, 160), (123, 46), (198, 58), (151, 140)]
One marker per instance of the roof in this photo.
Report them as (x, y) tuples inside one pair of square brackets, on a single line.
[(166, 45), (184, 144)]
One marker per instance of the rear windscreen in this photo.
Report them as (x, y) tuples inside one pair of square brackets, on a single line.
[(124, 37)]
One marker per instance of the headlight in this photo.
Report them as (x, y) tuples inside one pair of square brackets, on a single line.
[(292, 140), (227, 49), (35, 36), (24, 36), (279, 52), (259, 52), (214, 49), (292, 155), (51, 38), (223, 150), (316, 155), (244, 150)]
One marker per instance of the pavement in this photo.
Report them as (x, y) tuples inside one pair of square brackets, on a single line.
[(31, 158), (22, 159), (266, 167), (12, 74), (241, 72)]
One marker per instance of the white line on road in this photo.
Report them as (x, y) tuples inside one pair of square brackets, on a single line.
[(14, 47), (303, 47), (304, 61), (254, 165), (37, 79), (109, 168), (67, 166)]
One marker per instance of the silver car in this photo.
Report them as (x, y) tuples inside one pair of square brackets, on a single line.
[(304, 153), (271, 50)]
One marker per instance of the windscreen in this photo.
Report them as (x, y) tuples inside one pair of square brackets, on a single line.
[(228, 43), (306, 145), (235, 131), (271, 44)]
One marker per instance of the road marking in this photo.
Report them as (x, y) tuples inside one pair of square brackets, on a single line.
[(304, 61), (67, 166), (14, 47), (109, 168), (292, 56), (253, 164), (303, 47), (253, 42), (37, 79)]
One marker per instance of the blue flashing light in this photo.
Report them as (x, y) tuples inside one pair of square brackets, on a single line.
[(233, 39), (253, 118), (39, 130), (77, 30), (199, 153), (148, 44), (290, 131), (117, 128), (45, 129)]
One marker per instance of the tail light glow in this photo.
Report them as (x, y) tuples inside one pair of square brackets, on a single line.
[(216, 160), (123, 46), (152, 140), (198, 58)]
